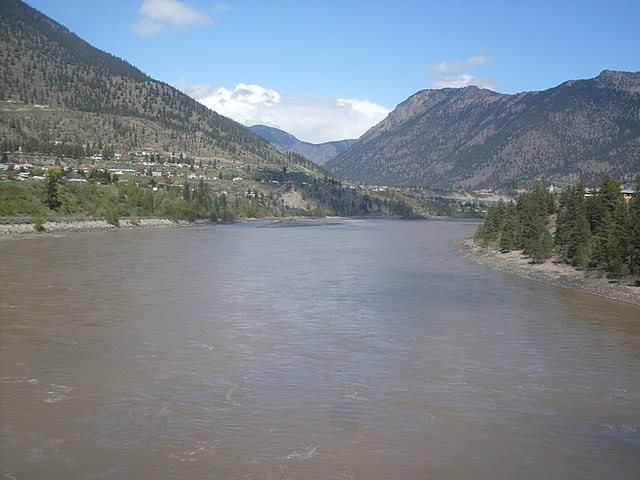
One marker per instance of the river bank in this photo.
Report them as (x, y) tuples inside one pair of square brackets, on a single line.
[(27, 230), (553, 273)]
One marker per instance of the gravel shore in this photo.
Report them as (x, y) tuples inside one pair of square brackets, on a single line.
[(22, 230), (554, 273)]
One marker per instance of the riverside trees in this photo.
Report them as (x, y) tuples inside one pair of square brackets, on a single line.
[(523, 225), (599, 230)]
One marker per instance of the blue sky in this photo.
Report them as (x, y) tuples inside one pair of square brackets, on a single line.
[(327, 70)]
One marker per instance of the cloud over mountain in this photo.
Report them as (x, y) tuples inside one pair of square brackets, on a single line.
[(308, 117), (159, 15), (456, 74)]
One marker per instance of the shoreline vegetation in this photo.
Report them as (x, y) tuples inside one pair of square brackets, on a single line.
[(586, 239), (552, 272)]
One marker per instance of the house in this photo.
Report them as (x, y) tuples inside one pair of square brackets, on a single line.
[(627, 193), (21, 166)]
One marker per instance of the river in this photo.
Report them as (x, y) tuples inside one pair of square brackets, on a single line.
[(366, 350)]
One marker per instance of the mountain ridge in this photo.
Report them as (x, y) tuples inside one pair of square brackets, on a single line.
[(48, 67), (476, 138), (110, 141)]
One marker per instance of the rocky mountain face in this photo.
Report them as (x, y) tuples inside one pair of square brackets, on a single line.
[(55, 87), (473, 138), (318, 153)]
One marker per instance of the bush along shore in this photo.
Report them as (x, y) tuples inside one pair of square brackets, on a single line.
[(586, 240)]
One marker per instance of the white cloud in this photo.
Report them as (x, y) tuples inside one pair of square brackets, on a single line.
[(306, 116), (463, 80), (159, 15), (459, 66), (456, 74)]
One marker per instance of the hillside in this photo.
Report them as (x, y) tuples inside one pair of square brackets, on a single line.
[(86, 135), (472, 138), (318, 153), (55, 87)]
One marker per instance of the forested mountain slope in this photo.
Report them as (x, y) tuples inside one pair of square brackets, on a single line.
[(473, 137), (55, 87), (109, 139)]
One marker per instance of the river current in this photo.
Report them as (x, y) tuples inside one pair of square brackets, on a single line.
[(366, 350)]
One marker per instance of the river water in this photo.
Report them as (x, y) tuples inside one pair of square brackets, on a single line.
[(369, 350)]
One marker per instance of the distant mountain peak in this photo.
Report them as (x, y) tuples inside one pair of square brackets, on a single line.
[(275, 136), (319, 153), (472, 137)]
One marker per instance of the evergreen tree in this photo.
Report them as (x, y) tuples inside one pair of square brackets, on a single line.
[(489, 232), (633, 232), (202, 199), (186, 192), (573, 232), (541, 247), (609, 221), (53, 178), (510, 237), (534, 209)]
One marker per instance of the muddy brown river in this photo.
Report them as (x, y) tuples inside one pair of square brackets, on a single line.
[(367, 350)]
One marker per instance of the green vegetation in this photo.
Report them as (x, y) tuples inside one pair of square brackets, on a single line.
[(66, 193), (38, 223), (522, 225), (111, 202), (598, 229), (54, 177)]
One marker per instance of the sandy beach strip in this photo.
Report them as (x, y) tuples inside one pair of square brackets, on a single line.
[(551, 272)]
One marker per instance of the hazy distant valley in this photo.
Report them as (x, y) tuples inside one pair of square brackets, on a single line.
[(319, 153)]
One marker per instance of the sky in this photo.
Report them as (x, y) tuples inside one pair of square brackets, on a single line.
[(327, 70)]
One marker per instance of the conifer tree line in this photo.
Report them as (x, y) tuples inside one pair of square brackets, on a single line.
[(596, 229)]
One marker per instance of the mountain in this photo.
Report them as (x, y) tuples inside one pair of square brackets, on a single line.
[(472, 137), (126, 144), (55, 87), (318, 153)]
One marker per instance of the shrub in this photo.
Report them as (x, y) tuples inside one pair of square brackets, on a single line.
[(112, 217), (38, 223)]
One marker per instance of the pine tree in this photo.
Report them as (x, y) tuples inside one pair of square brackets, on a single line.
[(609, 220), (541, 248), (510, 236), (633, 232), (53, 178), (573, 233), (533, 211)]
